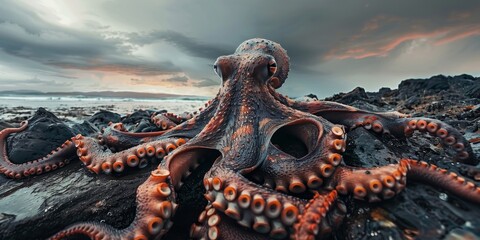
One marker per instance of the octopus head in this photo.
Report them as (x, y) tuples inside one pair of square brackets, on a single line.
[(255, 60)]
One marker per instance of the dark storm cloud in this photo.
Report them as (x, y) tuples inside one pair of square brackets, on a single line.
[(25, 35), (32, 83), (189, 45), (314, 33)]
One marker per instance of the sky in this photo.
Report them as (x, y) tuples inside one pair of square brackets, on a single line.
[(170, 46)]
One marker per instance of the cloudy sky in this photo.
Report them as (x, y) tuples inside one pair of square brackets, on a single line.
[(170, 46)]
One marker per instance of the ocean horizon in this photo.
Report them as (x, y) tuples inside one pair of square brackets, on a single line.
[(77, 107)]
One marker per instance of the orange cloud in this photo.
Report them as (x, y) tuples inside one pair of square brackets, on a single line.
[(451, 37), (126, 69), (368, 43)]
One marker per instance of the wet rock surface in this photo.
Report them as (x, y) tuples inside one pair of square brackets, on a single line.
[(45, 132), (37, 207), (421, 211)]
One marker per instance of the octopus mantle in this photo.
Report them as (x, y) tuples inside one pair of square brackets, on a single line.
[(253, 164)]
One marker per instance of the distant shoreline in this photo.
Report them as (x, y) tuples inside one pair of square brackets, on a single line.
[(16, 108), (104, 94)]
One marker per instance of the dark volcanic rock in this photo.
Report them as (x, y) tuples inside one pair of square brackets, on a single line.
[(37, 207), (441, 97), (312, 96), (86, 128), (102, 118), (139, 121), (137, 117), (45, 133), (347, 98), (360, 99), (421, 211)]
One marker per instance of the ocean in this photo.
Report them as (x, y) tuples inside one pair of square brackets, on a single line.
[(78, 108)]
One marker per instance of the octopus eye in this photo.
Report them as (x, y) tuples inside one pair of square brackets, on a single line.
[(272, 67)]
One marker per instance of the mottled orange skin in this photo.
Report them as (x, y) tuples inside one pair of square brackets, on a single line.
[(276, 164)]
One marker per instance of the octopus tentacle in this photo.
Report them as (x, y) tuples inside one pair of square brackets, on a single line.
[(394, 123), (56, 159), (404, 127), (155, 208), (116, 136), (321, 213), (199, 229), (372, 184), (166, 121), (252, 206), (213, 224), (384, 182), (449, 135), (97, 159), (444, 179), (471, 171), (162, 121), (269, 212), (185, 125)]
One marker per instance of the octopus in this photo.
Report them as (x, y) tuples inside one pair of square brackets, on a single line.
[(273, 168)]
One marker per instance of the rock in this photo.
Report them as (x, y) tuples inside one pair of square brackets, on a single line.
[(45, 133), (347, 98), (38, 207), (102, 118), (86, 128), (384, 91), (144, 126), (139, 121), (312, 96)]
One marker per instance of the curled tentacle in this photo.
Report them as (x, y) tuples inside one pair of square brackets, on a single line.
[(155, 208), (444, 179), (259, 208), (372, 184), (114, 136), (213, 224), (394, 123), (56, 159), (448, 135), (252, 206), (321, 213), (167, 121), (97, 159), (384, 182)]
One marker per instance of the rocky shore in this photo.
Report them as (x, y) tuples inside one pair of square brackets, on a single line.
[(37, 207)]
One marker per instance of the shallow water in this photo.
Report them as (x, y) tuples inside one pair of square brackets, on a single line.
[(77, 108)]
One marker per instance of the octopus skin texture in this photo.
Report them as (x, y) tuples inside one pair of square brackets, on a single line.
[(273, 167)]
